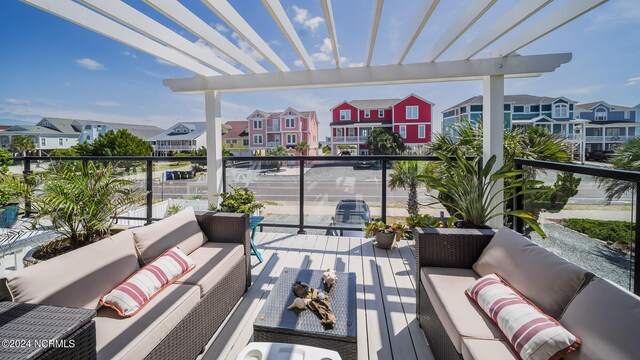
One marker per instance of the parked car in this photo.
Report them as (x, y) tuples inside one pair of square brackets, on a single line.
[(345, 153), (350, 214), (368, 164), (599, 155)]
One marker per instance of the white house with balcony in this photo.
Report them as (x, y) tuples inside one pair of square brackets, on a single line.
[(93, 129), (182, 137), (48, 134), (607, 125)]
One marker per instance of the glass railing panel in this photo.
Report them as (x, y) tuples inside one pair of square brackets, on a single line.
[(585, 227), (178, 185)]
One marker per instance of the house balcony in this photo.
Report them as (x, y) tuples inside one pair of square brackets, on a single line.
[(274, 128), (174, 147), (272, 144), (385, 280), (347, 139), (607, 139)]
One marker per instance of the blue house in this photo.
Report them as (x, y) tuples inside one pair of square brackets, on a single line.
[(608, 125)]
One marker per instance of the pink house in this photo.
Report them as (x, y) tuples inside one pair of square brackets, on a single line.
[(287, 128), (353, 121)]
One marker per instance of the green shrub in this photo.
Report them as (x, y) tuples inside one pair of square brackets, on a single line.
[(608, 230), (239, 200)]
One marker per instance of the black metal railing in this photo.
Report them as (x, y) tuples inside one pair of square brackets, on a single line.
[(597, 172)]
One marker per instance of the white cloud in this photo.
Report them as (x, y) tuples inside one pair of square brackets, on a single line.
[(90, 64), (129, 54), (633, 80), (302, 17), (106, 103), (13, 101), (582, 90), (620, 12), (221, 28)]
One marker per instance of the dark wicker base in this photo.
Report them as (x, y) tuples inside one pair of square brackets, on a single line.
[(347, 350), (189, 338), (437, 337), (85, 345)]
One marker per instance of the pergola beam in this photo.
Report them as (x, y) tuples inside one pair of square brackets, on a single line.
[(420, 20), (560, 16), (174, 10), (514, 17), (133, 18), (331, 29), (80, 15), (284, 23), (511, 66), (460, 25), (373, 33), (233, 19)]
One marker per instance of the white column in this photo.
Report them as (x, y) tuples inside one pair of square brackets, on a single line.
[(493, 129), (214, 144)]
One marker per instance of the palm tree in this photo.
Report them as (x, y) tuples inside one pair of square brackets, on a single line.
[(406, 176), (627, 157), (278, 151), (21, 144), (302, 147)]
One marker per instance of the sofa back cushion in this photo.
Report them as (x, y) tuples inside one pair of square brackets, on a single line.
[(179, 230), (543, 277), (78, 278), (607, 319)]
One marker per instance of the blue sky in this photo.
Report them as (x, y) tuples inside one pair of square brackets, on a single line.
[(51, 67)]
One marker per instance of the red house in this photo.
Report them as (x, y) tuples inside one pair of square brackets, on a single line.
[(353, 121)]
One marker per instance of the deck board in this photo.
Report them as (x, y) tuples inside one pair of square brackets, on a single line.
[(385, 293)]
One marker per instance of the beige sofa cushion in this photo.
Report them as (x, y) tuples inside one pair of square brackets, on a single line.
[(179, 230), (213, 261), (137, 336), (78, 278), (543, 277), (459, 315), (480, 349), (607, 320)]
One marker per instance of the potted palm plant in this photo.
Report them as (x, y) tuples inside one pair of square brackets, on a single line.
[(80, 202), (384, 234), (238, 200), (469, 193)]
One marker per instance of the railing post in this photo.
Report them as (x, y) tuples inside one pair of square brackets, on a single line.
[(149, 190), (224, 175), (384, 190), (518, 202), (301, 188), (26, 173), (636, 273)]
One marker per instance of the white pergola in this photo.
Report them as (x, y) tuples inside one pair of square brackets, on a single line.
[(238, 72)]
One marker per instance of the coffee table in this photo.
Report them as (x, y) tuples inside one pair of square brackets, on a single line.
[(277, 324)]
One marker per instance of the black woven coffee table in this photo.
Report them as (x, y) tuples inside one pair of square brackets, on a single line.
[(277, 324), (29, 331)]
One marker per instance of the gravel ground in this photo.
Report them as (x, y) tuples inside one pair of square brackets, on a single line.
[(592, 254)]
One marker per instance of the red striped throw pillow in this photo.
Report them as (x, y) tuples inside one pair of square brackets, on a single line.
[(135, 292), (532, 334)]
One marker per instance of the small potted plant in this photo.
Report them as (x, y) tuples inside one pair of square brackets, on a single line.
[(238, 200), (384, 234)]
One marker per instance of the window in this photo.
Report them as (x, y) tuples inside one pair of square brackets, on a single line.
[(364, 133), (627, 115), (257, 139), (546, 107), (87, 127), (422, 131), (367, 114), (345, 114), (561, 111), (475, 108), (245, 142), (314, 138), (535, 108), (43, 142), (412, 112), (257, 124), (403, 131), (88, 138), (227, 141), (60, 142), (518, 109), (507, 107), (289, 123), (291, 138), (234, 141), (527, 109), (463, 110), (380, 113), (601, 114)]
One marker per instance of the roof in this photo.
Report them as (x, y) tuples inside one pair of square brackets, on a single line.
[(373, 104), (361, 123), (236, 129), (196, 129), (4, 127), (37, 130), (511, 99), (275, 114), (142, 131), (590, 105)]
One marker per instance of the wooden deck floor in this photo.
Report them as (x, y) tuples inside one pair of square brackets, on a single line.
[(387, 325)]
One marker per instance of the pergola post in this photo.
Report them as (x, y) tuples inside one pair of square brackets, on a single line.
[(214, 145), (493, 130)]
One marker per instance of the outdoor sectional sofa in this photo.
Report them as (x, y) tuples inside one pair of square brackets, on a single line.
[(180, 320), (604, 316)]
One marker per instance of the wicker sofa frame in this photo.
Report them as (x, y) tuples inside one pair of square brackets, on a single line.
[(453, 248)]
